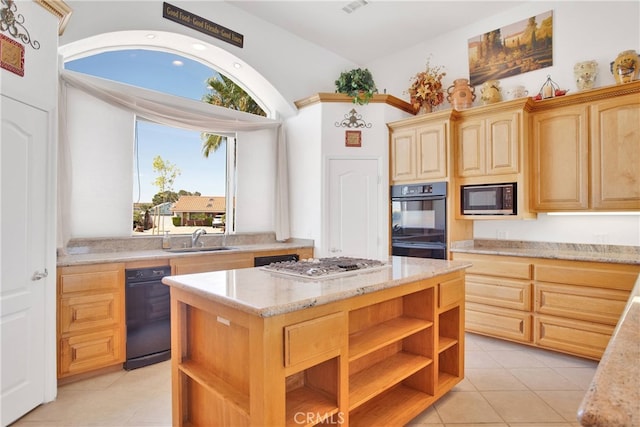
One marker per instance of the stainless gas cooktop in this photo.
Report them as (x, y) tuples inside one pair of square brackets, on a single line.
[(325, 268)]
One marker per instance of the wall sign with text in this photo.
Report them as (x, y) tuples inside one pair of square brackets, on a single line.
[(198, 23)]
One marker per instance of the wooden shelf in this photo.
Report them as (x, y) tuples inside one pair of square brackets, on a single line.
[(216, 385), (444, 378), (369, 340), (445, 343), (308, 401), (396, 407), (382, 376)]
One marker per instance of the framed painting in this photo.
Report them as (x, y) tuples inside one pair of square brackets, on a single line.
[(353, 138), (11, 55), (518, 48)]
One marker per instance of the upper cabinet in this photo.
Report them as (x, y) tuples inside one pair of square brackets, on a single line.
[(420, 148), (585, 152), (488, 144)]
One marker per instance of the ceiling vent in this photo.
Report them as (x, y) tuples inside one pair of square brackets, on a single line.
[(354, 5)]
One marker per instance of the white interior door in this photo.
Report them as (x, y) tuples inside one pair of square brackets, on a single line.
[(22, 257), (353, 206)]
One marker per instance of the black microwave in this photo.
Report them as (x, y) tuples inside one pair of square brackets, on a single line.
[(490, 199)]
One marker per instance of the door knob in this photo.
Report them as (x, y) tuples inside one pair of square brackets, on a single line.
[(37, 275)]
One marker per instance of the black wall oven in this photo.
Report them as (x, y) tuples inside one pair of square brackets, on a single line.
[(419, 220)]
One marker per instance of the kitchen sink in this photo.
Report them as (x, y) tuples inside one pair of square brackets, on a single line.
[(200, 249)]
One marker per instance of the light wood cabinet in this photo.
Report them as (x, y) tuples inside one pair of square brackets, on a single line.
[(375, 359), (586, 151), (567, 306), (420, 149), (499, 296), (489, 144), (91, 324)]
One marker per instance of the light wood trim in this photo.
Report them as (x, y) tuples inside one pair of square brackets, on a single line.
[(586, 96), (60, 9), (340, 97)]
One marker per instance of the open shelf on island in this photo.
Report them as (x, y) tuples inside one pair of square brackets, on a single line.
[(445, 343), (216, 385), (383, 375), (395, 407), (382, 334), (305, 400)]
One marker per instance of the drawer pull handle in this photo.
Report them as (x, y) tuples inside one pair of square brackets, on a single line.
[(522, 326)]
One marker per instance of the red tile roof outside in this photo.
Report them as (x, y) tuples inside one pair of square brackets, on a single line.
[(213, 204)]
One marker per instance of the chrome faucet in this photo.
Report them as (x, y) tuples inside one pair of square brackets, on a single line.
[(196, 235)]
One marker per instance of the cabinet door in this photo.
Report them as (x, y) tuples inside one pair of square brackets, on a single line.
[(432, 152), (403, 154), (471, 148), (560, 159), (615, 153), (502, 139)]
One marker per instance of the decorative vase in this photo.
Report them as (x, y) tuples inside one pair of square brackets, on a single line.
[(425, 108), (625, 67), (460, 94), (491, 92), (585, 74)]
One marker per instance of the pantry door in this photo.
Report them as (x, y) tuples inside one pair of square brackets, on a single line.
[(353, 207), (23, 274)]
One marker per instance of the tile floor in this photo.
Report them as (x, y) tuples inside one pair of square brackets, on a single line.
[(505, 385)]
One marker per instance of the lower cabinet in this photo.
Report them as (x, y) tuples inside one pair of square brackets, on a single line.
[(91, 324), (375, 359), (568, 306)]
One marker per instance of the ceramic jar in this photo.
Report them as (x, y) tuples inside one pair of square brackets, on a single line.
[(517, 92), (585, 73), (491, 92), (625, 67), (461, 95)]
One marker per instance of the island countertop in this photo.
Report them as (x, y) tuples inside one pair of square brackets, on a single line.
[(265, 293)]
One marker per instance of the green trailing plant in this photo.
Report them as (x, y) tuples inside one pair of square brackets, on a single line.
[(358, 84)]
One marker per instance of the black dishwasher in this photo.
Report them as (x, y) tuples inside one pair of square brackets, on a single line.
[(148, 309)]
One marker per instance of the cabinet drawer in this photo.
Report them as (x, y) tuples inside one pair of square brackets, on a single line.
[(108, 277), (606, 276), (498, 322), (580, 302), (313, 338), (496, 266), (90, 311), (507, 293), (572, 336), (450, 292), (86, 352)]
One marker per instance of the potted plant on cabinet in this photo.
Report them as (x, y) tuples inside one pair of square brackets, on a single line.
[(358, 84)]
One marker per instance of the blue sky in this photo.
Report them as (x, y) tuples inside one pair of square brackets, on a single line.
[(187, 78)]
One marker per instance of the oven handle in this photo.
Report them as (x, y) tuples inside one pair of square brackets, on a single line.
[(419, 245), (417, 199)]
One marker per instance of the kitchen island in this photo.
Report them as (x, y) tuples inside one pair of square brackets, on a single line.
[(251, 347)]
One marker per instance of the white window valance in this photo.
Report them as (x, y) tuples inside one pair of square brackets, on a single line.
[(172, 111)]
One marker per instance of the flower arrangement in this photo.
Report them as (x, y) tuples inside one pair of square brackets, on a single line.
[(426, 88)]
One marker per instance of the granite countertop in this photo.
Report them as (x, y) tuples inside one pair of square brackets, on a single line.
[(613, 398), (106, 250), (565, 251), (266, 293)]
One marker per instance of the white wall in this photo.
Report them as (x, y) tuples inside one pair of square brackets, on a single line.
[(313, 138), (581, 32)]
